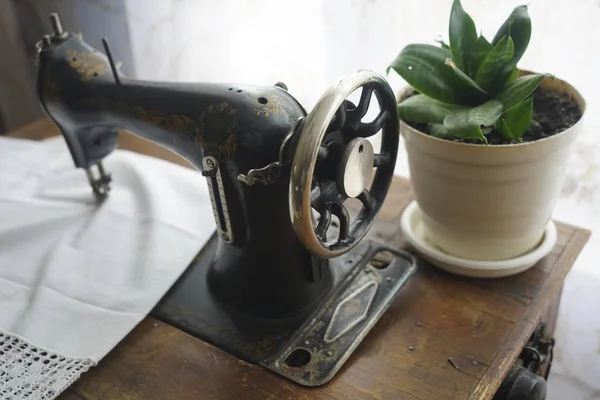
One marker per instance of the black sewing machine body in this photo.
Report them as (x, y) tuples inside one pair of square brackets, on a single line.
[(272, 285), (79, 92), (247, 126)]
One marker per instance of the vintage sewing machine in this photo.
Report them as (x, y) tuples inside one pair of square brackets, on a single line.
[(279, 284), (290, 280)]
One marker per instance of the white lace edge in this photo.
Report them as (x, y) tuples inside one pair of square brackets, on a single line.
[(30, 372)]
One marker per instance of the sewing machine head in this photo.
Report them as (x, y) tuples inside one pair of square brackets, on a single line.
[(240, 136), (267, 163)]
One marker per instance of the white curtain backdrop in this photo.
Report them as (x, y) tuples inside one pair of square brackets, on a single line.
[(308, 44)]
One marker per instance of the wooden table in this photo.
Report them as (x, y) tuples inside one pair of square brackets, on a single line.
[(481, 324)]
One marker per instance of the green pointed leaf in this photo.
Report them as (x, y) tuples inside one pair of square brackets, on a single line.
[(438, 130), (482, 48), (515, 122), (443, 44), (463, 36), (516, 91), (423, 67), (519, 25), (465, 78), (514, 74), (467, 123), (487, 129), (503, 128), (490, 74), (420, 108)]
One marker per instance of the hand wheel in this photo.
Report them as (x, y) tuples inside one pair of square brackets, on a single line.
[(334, 161)]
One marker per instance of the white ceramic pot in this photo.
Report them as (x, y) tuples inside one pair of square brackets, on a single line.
[(493, 202)]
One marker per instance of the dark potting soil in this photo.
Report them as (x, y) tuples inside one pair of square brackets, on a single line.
[(553, 112)]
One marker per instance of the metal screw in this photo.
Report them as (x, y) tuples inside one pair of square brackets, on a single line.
[(411, 348), (329, 353), (210, 163), (56, 26), (388, 279), (225, 237), (474, 362), (451, 361)]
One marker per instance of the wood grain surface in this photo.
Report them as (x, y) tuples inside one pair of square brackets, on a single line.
[(480, 324)]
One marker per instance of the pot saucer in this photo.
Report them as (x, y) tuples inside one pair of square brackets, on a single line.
[(414, 232)]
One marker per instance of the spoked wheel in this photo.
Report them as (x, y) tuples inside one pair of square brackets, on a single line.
[(334, 161)]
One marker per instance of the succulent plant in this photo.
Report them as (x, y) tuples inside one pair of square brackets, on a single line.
[(470, 86)]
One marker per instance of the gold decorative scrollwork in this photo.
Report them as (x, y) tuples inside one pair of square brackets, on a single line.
[(221, 118), (88, 65), (271, 106), (223, 115), (228, 148), (171, 122)]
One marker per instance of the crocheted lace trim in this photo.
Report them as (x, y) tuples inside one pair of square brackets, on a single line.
[(33, 373)]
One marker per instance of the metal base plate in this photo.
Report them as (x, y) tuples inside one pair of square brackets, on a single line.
[(326, 340), (310, 348)]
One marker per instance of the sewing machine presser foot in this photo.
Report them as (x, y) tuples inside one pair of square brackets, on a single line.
[(101, 184)]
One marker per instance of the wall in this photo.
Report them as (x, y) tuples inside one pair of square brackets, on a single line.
[(24, 22), (18, 104)]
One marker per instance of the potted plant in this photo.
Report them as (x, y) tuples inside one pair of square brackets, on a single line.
[(487, 143)]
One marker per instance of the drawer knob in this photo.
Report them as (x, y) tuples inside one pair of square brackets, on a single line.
[(521, 384)]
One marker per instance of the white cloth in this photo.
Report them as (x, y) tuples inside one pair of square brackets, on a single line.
[(76, 276)]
